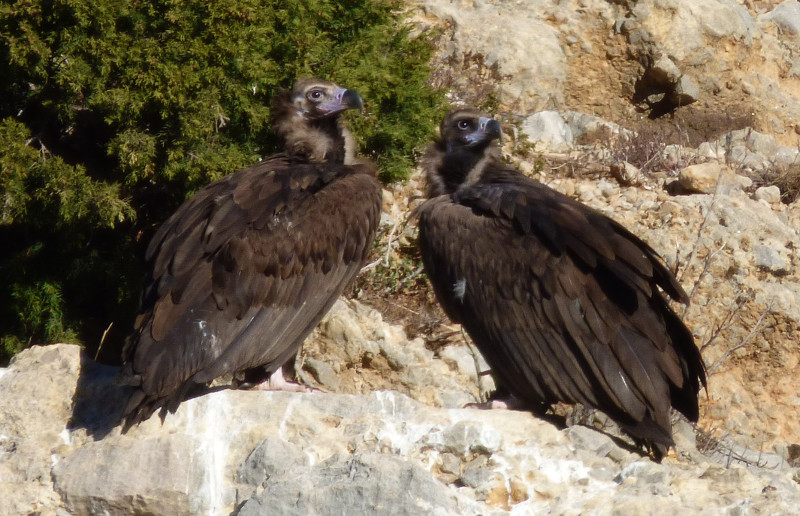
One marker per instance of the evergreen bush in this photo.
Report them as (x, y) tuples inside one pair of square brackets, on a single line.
[(113, 112)]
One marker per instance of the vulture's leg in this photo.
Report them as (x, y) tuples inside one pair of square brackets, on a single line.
[(277, 382), (257, 378), (506, 403)]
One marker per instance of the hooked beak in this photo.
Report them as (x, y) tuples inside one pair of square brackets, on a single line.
[(489, 128), (487, 131), (343, 99)]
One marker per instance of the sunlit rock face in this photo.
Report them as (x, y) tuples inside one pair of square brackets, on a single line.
[(251, 452), (390, 434)]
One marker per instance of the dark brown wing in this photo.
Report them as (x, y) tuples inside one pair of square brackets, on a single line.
[(243, 271), (563, 302)]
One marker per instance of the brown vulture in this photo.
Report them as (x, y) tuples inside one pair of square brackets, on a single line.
[(243, 271), (563, 302)]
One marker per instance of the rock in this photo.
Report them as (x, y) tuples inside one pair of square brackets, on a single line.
[(477, 474), (589, 439), (745, 159), (711, 151), (403, 357), (665, 72), (261, 452), (150, 476), (769, 259), (526, 167), (548, 131), (681, 29), (701, 178), (786, 16), (369, 483), (342, 325), (366, 354), (323, 373), (450, 464), (587, 129), (273, 457), (35, 406), (461, 358), (787, 156), (503, 39), (465, 437), (586, 193), (625, 173), (763, 144), (708, 177), (685, 92), (771, 194), (676, 156)]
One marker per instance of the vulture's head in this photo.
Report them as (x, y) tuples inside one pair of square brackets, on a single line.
[(465, 147), (315, 98), (307, 118), (468, 128)]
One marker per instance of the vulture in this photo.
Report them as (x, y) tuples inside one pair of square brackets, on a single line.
[(565, 304), (243, 271)]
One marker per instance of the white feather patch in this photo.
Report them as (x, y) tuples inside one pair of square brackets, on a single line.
[(459, 289)]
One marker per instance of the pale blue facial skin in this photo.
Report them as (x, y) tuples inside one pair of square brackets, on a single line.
[(488, 129), (343, 99)]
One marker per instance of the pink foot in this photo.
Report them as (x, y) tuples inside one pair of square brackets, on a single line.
[(510, 403), (276, 382)]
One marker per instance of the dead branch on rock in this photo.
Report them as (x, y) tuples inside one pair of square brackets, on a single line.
[(728, 321), (745, 341), (698, 238)]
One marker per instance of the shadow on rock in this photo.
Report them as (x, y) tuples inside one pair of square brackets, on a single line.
[(98, 402)]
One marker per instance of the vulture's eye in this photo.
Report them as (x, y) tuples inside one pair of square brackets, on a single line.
[(314, 95), (464, 125)]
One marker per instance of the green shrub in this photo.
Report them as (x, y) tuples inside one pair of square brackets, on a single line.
[(113, 112)]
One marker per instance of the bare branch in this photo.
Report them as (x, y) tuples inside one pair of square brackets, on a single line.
[(745, 341)]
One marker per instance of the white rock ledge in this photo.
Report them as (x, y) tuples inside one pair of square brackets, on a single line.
[(251, 452)]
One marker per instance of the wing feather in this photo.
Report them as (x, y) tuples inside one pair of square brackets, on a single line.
[(244, 270), (566, 296)]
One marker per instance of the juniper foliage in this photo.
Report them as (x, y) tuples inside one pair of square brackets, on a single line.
[(114, 112)]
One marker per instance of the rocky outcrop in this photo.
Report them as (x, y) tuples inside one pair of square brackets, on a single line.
[(735, 255), (389, 433), (248, 452), (725, 62), (723, 75), (497, 43)]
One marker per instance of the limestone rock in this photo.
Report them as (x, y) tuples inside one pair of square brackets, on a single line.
[(323, 373), (549, 131), (770, 194), (712, 151), (152, 475), (787, 156), (708, 177), (626, 173), (369, 483), (754, 141), (685, 91), (665, 72), (587, 129), (681, 29), (769, 259), (295, 453), (354, 351), (35, 405), (786, 16), (527, 80), (273, 457)]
